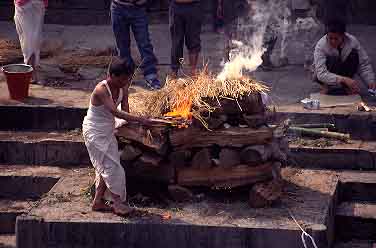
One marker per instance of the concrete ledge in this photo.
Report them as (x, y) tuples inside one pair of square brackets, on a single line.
[(27, 117), (332, 158), (41, 117), (355, 228), (7, 220), (101, 234), (357, 186), (360, 125), (52, 152)]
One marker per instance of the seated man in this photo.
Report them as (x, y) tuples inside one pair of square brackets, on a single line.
[(338, 57)]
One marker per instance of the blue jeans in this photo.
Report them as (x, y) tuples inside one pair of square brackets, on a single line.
[(124, 18)]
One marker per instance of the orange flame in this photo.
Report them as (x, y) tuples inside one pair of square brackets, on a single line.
[(183, 110)]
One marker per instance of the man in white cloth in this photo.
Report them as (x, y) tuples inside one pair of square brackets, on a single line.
[(98, 132), (29, 19)]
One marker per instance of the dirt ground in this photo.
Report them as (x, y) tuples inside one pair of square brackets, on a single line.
[(8, 241)]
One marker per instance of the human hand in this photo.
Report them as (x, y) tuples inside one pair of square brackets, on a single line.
[(352, 84), (372, 86)]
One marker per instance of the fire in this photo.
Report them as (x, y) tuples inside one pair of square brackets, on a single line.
[(183, 110)]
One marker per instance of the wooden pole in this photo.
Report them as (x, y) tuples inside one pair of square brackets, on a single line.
[(320, 134)]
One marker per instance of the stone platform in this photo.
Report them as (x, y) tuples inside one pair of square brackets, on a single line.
[(68, 221)]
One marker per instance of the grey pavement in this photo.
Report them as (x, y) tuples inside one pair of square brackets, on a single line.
[(288, 84)]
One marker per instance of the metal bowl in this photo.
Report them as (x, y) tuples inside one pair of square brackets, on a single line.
[(16, 68)]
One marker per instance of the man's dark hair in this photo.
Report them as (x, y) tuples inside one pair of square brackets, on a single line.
[(121, 67), (336, 26)]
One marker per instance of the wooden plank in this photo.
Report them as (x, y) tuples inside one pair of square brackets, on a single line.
[(253, 155), (202, 159), (154, 138), (224, 177), (228, 158), (234, 136)]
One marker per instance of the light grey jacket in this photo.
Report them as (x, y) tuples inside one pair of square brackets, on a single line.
[(324, 50)]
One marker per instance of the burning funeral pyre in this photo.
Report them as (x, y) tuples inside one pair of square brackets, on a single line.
[(208, 133)]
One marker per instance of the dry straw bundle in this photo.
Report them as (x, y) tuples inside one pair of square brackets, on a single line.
[(194, 92)]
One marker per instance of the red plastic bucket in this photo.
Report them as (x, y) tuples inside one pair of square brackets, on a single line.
[(18, 77)]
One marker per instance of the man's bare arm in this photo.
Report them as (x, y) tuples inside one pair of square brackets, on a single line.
[(108, 103)]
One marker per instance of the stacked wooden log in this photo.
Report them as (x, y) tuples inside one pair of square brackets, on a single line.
[(238, 150)]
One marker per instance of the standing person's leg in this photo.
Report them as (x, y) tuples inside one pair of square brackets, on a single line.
[(39, 21), (29, 21), (230, 31), (218, 16), (140, 28), (193, 19), (121, 28), (98, 202), (177, 31), (113, 175)]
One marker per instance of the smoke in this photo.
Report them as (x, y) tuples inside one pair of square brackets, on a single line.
[(264, 16)]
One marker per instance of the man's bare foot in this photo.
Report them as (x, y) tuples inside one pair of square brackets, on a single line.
[(121, 209), (100, 207)]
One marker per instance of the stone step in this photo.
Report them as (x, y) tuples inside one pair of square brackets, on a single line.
[(361, 125), (34, 117), (208, 223), (356, 221), (8, 241), (25, 117), (21, 188), (355, 155), (43, 148), (357, 186), (9, 210), (355, 244)]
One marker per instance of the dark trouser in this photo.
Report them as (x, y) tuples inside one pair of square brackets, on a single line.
[(185, 24), (123, 19), (269, 45), (347, 68), (218, 20)]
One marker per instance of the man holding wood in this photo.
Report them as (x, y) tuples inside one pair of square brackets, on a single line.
[(98, 133), (338, 57)]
